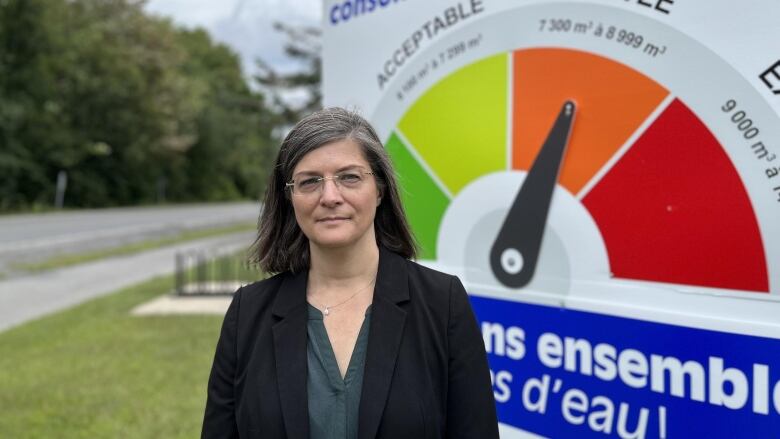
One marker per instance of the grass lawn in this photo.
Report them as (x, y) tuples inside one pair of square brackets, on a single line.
[(94, 371), (66, 260)]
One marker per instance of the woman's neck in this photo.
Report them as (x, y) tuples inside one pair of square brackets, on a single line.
[(338, 267)]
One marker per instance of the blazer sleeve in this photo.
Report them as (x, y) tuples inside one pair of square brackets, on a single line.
[(219, 420), (471, 410)]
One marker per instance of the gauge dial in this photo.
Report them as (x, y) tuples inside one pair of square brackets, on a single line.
[(652, 166), (646, 214)]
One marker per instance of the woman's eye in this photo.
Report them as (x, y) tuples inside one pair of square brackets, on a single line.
[(349, 178), (309, 183)]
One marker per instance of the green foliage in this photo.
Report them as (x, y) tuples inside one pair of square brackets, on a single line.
[(134, 109)]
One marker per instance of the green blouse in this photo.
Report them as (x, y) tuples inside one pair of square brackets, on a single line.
[(333, 401)]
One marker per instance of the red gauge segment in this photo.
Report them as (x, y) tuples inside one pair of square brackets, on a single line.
[(659, 208)]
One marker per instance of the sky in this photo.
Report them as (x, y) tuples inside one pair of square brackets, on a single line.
[(244, 25)]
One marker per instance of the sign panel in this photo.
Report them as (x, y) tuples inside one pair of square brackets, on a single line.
[(603, 177)]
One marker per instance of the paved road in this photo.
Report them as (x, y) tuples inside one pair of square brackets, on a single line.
[(31, 237), (29, 297), (31, 232)]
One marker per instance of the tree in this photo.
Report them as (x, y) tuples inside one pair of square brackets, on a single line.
[(304, 44), (234, 145), (130, 106), (31, 113)]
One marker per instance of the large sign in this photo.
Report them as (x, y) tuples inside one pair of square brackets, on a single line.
[(604, 177)]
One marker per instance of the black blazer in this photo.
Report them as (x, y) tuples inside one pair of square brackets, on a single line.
[(426, 372)]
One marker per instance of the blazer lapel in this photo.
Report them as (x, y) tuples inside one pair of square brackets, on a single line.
[(290, 353), (384, 340)]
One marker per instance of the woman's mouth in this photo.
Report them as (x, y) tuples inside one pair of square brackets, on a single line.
[(332, 219)]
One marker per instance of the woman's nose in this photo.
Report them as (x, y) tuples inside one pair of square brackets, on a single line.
[(330, 192)]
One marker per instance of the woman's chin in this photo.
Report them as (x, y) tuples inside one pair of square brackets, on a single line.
[(333, 241), (336, 240)]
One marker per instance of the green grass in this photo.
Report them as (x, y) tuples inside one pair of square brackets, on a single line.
[(95, 371), (67, 260)]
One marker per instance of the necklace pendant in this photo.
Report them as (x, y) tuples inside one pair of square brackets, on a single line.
[(327, 311)]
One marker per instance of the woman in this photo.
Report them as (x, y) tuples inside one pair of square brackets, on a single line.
[(351, 339)]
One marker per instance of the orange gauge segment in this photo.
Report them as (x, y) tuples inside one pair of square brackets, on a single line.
[(612, 102)]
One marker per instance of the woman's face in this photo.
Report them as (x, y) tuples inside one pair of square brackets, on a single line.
[(338, 214)]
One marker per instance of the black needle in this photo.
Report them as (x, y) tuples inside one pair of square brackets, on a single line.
[(515, 251)]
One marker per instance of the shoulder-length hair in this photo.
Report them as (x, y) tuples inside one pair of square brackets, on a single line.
[(280, 244)]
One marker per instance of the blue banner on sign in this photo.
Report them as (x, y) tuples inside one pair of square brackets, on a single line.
[(565, 373)]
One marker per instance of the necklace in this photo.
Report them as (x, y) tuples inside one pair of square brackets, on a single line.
[(326, 310)]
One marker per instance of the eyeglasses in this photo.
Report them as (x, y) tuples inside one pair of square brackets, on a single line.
[(311, 185)]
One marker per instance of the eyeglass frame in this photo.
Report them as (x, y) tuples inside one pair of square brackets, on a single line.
[(321, 182)]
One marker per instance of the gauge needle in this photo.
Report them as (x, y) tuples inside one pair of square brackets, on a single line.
[(515, 251)]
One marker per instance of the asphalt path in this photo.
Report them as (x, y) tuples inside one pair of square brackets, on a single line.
[(30, 237), (30, 297)]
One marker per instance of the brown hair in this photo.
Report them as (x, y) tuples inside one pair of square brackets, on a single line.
[(280, 244)]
